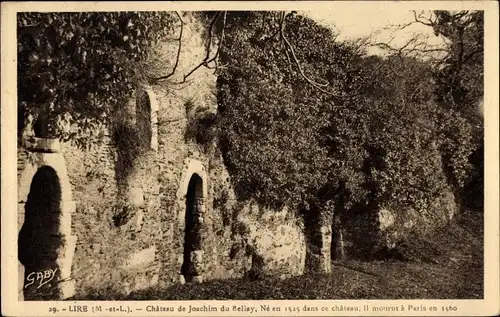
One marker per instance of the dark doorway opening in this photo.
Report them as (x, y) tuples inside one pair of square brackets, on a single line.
[(191, 266), (39, 239)]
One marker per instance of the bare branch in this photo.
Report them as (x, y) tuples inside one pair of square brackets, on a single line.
[(422, 19), (292, 51), (401, 26), (287, 55), (205, 62), (316, 85), (210, 33), (178, 51), (177, 85), (219, 45), (412, 40), (416, 46)]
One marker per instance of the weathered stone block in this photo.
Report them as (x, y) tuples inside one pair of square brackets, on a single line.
[(44, 145), (196, 258), (154, 279), (96, 247), (385, 218), (68, 206), (66, 261), (139, 220), (67, 289), (182, 280), (279, 244), (136, 196), (141, 258), (197, 279), (65, 221)]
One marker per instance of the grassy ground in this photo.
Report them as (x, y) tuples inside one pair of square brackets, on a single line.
[(446, 265)]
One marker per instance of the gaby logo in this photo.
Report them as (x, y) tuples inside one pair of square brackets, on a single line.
[(41, 278)]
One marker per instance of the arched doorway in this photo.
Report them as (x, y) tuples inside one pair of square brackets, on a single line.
[(38, 241), (192, 266)]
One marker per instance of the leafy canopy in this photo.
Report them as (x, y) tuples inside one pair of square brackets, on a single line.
[(373, 133)]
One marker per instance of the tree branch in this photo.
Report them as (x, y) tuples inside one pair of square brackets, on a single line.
[(178, 51), (423, 20), (219, 45), (415, 47), (210, 32), (405, 49), (287, 55), (207, 58), (316, 85)]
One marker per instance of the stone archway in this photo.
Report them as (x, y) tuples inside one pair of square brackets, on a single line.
[(45, 205), (192, 195), (192, 266)]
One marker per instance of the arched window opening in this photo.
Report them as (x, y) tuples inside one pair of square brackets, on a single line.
[(143, 118)]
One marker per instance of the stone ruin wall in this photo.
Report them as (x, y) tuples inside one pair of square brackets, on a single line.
[(147, 250), (367, 233)]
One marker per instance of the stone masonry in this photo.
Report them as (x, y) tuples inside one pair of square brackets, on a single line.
[(121, 231)]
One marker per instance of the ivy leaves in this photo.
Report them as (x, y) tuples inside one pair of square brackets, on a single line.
[(383, 139), (80, 66), (273, 119)]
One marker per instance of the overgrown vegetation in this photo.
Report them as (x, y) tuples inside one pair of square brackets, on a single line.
[(75, 68), (305, 119), (132, 141), (200, 128), (460, 86)]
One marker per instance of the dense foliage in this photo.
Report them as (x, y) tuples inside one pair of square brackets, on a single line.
[(374, 133), (403, 166), (270, 119), (460, 76), (78, 67), (460, 87)]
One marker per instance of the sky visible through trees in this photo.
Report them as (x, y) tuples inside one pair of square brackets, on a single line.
[(353, 25)]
